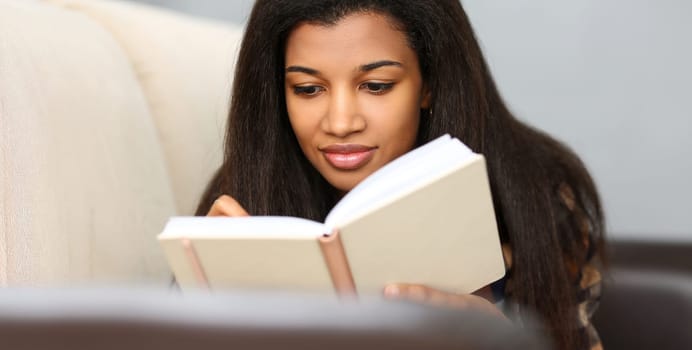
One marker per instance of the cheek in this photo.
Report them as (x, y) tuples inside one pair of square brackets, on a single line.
[(304, 114), (299, 118), (402, 104), (396, 118), (302, 134)]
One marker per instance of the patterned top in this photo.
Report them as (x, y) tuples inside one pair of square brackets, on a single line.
[(585, 274)]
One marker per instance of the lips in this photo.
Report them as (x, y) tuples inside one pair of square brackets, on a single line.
[(348, 156)]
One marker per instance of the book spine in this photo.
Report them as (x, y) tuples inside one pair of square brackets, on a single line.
[(197, 268), (337, 264)]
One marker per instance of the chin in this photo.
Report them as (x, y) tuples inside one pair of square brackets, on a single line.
[(345, 183)]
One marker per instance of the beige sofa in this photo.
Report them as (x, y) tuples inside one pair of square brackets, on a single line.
[(111, 120)]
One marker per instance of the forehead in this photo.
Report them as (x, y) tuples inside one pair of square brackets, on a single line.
[(358, 38)]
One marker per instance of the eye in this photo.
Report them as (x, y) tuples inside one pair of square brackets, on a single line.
[(377, 88), (309, 90)]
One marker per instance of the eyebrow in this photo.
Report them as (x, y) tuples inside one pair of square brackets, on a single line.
[(372, 66), (364, 68), (299, 69)]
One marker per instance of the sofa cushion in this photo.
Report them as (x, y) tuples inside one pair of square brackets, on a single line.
[(83, 182), (184, 65)]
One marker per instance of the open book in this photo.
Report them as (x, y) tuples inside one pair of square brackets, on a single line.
[(425, 218)]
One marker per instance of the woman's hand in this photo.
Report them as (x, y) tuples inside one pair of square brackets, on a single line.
[(225, 205), (426, 295)]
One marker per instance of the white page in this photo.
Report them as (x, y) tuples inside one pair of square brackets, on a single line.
[(407, 172), (255, 227)]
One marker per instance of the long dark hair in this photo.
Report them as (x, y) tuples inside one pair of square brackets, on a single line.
[(265, 170)]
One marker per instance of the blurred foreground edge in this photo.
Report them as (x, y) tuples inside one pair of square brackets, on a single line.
[(157, 319)]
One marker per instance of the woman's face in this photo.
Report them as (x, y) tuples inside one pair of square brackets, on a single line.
[(353, 92)]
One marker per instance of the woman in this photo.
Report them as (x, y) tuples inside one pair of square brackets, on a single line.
[(328, 91)]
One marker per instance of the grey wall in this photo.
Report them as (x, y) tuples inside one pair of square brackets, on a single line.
[(613, 80), (235, 11), (610, 78)]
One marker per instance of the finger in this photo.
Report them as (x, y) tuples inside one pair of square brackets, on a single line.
[(227, 206), (475, 302), (391, 291), (439, 298), (413, 292), (431, 296), (422, 294), (427, 295), (457, 301)]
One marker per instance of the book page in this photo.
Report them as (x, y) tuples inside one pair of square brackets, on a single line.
[(255, 227), (246, 253), (402, 175)]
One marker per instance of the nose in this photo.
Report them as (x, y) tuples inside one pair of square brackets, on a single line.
[(343, 117)]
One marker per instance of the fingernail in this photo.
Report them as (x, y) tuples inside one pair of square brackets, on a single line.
[(391, 291)]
